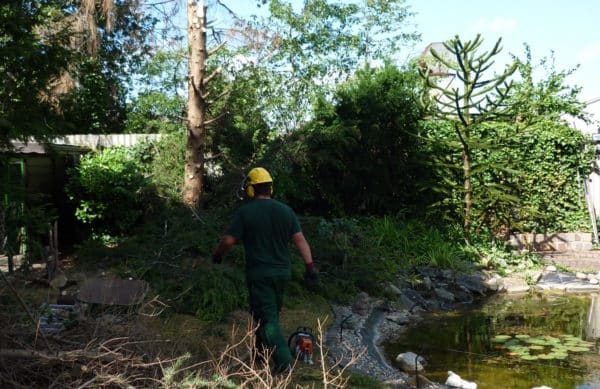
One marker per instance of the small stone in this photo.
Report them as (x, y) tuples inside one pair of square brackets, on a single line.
[(594, 281), (361, 305), (581, 276), (427, 283), (491, 284), (551, 268), (400, 318)]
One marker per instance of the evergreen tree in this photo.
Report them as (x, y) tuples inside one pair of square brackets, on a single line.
[(475, 100)]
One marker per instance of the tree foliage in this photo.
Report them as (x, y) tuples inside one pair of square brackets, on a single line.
[(62, 78), (527, 168), (110, 47), (159, 105), (360, 153), (307, 51), (31, 57)]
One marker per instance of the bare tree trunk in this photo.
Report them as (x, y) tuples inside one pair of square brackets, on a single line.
[(194, 165), (468, 193), (467, 158)]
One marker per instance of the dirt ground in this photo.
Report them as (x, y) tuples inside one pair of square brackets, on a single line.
[(117, 346)]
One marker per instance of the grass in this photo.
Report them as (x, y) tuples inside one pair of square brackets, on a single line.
[(201, 303)]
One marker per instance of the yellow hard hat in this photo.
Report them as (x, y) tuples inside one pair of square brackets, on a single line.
[(258, 175)]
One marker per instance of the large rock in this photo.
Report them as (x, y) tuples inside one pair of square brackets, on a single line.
[(444, 294), (409, 362), (513, 285), (473, 282), (411, 299)]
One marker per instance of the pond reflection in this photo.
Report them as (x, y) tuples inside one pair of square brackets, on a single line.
[(593, 323), (512, 342)]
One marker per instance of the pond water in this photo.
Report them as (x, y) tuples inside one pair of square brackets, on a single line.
[(512, 342)]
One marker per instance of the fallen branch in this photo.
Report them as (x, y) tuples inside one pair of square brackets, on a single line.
[(61, 356)]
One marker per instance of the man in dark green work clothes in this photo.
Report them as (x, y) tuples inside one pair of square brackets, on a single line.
[(265, 227)]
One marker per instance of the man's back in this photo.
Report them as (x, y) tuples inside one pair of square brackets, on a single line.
[(265, 227)]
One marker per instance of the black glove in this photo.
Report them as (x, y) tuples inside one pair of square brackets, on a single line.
[(311, 276), (217, 258)]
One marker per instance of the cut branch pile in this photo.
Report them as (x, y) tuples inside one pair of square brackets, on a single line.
[(116, 350), (116, 362)]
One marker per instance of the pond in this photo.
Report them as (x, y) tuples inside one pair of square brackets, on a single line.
[(512, 342)]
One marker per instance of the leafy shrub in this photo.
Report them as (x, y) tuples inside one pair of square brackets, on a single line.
[(502, 258), (523, 180), (359, 155), (108, 188), (167, 166)]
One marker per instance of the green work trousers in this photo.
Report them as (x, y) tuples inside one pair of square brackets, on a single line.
[(266, 298)]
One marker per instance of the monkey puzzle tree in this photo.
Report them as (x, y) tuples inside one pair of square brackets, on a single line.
[(474, 100)]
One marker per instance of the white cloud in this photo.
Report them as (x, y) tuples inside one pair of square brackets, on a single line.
[(589, 53), (497, 25)]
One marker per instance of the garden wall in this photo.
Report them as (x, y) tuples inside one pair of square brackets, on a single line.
[(564, 241)]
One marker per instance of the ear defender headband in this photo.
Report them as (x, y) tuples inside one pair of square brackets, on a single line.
[(258, 175)]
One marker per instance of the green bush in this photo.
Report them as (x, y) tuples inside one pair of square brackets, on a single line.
[(359, 154), (167, 166), (523, 180), (108, 189)]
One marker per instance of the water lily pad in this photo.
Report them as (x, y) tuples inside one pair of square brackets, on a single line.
[(539, 341), (583, 343), (522, 336), (546, 356), (571, 338), (519, 350), (559, 356), (536, 347), (529, 357), (501, 338), (577, 349), (512, 342)]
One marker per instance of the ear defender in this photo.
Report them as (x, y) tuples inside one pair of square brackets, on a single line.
[(250, 191)]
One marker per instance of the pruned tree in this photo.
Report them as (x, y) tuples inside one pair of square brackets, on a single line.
[(468, 103), (198, 102)]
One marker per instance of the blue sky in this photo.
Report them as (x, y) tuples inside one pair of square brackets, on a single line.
[(571, 29)]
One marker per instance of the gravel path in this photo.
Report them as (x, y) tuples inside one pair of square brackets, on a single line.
[(360, 336)]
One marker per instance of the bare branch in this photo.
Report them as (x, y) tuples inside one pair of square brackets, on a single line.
[(214, 50), (211, 76)]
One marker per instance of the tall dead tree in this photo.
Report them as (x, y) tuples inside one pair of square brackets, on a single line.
[(197, 103), (196, 113)]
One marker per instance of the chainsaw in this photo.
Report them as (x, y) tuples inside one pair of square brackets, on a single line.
[(301, 344)]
